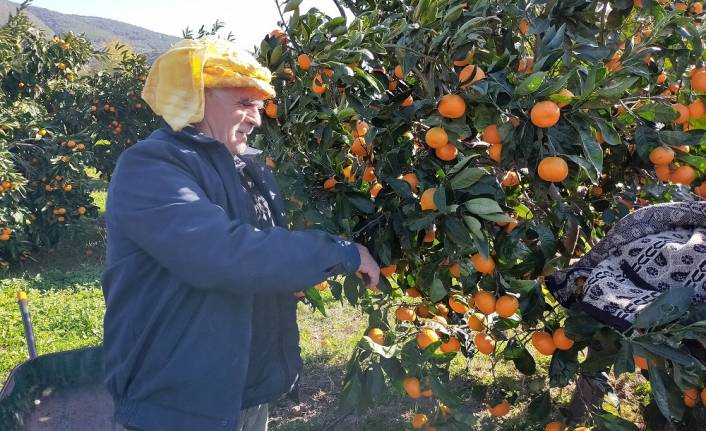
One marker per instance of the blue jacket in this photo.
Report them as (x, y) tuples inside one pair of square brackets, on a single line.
[(200, 314)]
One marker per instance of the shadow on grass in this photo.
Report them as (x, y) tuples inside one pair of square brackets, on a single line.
[(75, 260), (318, 407)]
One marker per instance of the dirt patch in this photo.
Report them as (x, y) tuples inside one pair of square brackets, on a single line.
[(66, 410)]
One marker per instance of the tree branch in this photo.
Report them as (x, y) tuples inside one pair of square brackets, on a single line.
[(340, 8), (286, 27)]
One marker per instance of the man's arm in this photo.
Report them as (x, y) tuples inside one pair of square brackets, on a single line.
[(159, 206)]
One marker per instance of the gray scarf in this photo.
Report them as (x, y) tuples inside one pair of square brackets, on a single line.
[(646, 253)]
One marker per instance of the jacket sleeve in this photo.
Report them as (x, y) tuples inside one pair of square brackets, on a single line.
[(155, 201)]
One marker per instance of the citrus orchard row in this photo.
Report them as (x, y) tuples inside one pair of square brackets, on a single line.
[(475, 148)]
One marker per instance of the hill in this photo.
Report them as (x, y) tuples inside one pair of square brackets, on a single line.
[(98, 30)]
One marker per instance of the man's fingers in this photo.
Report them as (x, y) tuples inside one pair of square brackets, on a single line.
[(374, 281)]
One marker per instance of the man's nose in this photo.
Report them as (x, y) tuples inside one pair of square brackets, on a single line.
[(256, 117)]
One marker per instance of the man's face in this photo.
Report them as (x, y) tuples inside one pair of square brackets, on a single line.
[(233, 113)]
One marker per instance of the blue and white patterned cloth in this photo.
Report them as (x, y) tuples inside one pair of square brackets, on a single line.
[(646, 253)]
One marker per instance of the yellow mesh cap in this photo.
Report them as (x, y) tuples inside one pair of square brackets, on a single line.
[(174, 88)]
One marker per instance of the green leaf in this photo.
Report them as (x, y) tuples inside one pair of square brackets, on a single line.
[(351, 394), (657, 345), (375, 382), (591, 149), (547, 241), (615, 423), (624, 363), (525, 363), (523, 212), (387, 352), (551, 87), (523, 287), (466, 178), (460, 165), (370, 79), (393, 369), (441, 391), (617, 87), (675, 137), (657, 113), (473, 225), (276, 56), (530, 84), (532, 305), (540, 407), (513, 350), (563, 368), (587, 167), (292, 4), (596, 75), (458, 232), (350, 289), (437, 292), (609, 134), (696, 161), (665, 394), (497, 217), (361, 202), (419, 221), (668, 307), (314, 297), (429, 14), (440, 199), (483, 206), (581, 326), (454, 13)]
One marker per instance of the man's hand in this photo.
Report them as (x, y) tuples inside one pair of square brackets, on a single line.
[(369, 269)]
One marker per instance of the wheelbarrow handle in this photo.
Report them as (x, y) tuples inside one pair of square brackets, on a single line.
[(29, 333)]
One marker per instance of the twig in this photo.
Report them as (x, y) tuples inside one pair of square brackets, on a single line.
[(353, 7), (340, 8), (368, 224), (286, 27)]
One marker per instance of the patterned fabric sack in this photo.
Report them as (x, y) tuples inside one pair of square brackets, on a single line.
[(647, 252)]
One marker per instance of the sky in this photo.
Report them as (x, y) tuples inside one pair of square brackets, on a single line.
[(248, 20)]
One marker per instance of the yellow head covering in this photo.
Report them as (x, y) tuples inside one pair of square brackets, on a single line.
[(174, 88)]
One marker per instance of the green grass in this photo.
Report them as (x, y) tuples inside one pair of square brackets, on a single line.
[(66, 311), (99, 199), (99, 188)]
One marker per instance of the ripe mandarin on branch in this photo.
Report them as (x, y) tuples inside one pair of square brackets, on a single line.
[(506, 306), (545, 114), (543, 342), (553, 169), (452, 106), (501, 409), (427, 199), (412, 387), (484, 343), (474, 73), (377, 335), (483, 265), (436, 137), (561, 341), (426, 338), (662, 156), (491, 135), (484, 301)]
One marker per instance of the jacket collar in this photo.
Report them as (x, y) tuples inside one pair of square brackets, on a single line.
[(190, 133)]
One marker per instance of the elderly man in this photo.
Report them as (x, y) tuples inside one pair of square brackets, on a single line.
[(201, 271)]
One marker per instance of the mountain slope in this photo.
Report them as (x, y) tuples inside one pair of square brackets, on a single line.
[(98, 30)]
